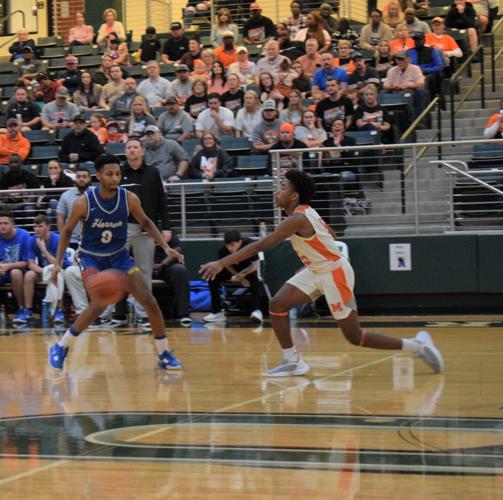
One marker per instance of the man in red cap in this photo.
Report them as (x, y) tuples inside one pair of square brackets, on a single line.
[(258, 29), (287, 140), (70, 78)]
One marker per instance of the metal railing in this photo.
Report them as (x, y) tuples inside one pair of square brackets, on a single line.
[(361, 192), (454, 80), (2, 22), (470, 199)]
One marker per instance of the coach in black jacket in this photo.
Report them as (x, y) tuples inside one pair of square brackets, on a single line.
[(80, 145)]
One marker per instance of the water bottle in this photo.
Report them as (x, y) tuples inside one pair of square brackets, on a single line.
[(45, 313), (19, 118), (3, 317), (262, 229), (292, 313)]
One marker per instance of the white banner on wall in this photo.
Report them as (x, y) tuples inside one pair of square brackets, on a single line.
[(400, 257)]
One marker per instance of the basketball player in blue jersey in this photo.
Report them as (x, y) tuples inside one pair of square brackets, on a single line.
[(327, 273), (104, 211)]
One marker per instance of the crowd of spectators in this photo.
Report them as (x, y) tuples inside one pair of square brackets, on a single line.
[(302, 83)]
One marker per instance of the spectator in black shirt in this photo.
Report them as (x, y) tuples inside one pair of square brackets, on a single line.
[(287, 140), (16, 49), (372, 117), (336, 105), (363, 74), (211, 160), (462, 16), (17, 178), (176, 45), (71, 78), (198, 101), (150, 46), (80, 145), (244, 272), (258, 29), (22, 106), (233, 98)]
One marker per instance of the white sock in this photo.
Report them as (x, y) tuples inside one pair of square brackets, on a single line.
[(290, 355), (161, 344), (67, 339), (410, 345)]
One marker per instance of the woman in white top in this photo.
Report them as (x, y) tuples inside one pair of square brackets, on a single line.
[(308, 132), (293, 112), (223, 23), (110, 25), (249, 116)]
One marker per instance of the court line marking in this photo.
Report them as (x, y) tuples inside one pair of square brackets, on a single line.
[(295, 464), (42, 468), (36, 470), (267, 396)]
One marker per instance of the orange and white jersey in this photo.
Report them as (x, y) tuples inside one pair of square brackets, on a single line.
[(319, 252)]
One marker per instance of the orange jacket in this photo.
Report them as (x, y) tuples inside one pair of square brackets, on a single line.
[(19, 145)]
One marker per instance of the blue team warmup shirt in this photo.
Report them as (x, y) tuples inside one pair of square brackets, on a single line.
[(34, 252), (15, 249)]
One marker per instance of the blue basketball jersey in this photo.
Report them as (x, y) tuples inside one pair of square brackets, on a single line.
[(104, 230)]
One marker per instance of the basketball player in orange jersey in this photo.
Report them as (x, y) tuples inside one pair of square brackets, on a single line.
[(103, 212), (327, 272)]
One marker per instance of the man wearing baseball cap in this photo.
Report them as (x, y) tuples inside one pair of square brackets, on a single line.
[(29, 67), (80, 145), (13, 142), (59, 113), (287, 140), (406, 76), (170, 159), (414, 24), (266, 133), (181, 86), (362, 74), (258, 29), (445, 43), (71, 77), (176, 45), (227, 52)]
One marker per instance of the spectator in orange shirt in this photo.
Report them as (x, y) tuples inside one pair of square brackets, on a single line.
[(97, 125), (402, 41), (13, 142), (344, 61), (439, 40), (227, 52)]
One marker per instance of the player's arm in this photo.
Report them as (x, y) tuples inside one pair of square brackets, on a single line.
[(147, 225), (287, 228)]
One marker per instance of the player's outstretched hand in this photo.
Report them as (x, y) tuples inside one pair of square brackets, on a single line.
[(210, 269)]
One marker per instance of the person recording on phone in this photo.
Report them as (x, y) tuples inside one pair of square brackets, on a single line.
[(494, 127)]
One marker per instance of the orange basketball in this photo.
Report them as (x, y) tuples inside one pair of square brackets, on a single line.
[(106, 287)]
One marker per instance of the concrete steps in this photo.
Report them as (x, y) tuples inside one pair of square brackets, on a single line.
[(432, 189)]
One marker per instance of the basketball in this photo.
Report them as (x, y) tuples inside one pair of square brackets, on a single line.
[(106, 287)]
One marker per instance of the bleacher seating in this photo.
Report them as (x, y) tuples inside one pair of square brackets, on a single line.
[(41, 154)]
